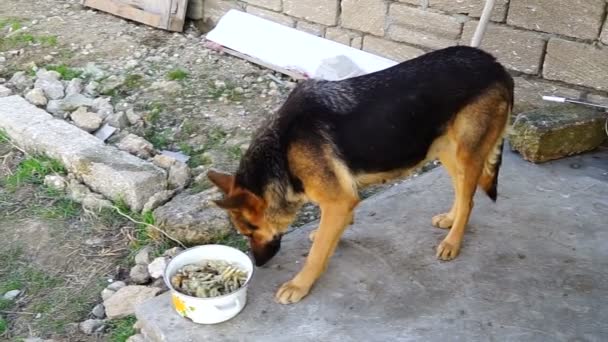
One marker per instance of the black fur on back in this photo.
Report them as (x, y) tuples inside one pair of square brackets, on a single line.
[(378, 122)]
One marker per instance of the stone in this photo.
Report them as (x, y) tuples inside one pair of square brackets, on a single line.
[(54, 107), (158, 199), (270, 15), (172, 252), (110, 84), (144, 256), (103, 107), (404, 34), (124, 301), (416, 19), (99, 311), (107, 293), (92, 326), (11, 295), (50, 84), (56, 182), (139, 274), (193, 218), (314, 29), (79, 193), (105, 169), (179, 156), (340, 35), (274, 5), (551, 133), (169, 87), (21, 81), (136, 145), (105, 132), (91, 89), (364, 15), (160, 283), (395, 51), (517, 50), (86, 120), (93, 71), (38, 339), (74, 101), (4, 91), (575, 18), (133, 117), (564, 62), (179, 176), (36, 97), (472, 8), (157, 267), (118, 120), (75, 86), (117, 285), (164, 161), (195, 9), (139, 337), (319, 11)]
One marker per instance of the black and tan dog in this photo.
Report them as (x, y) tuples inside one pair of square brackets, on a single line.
[(330, 138)]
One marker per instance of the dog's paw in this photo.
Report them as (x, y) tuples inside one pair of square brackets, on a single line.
[(447, 251), (290, 293), (312, 234), (444, 221)]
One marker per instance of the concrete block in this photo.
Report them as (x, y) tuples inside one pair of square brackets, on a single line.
[(357, 43), (472, 8), (604, 35), (316, 29), (105, 169), (272, 16), (518, 50), (340, 35), (364, 15), (319, 11), (389, 49), (421, 20), (574, 18), (576, 63), (403, 34), (551, 133), (274, 5)]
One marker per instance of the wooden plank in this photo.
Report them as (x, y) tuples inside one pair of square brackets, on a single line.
[(156, 13), (178, 17)]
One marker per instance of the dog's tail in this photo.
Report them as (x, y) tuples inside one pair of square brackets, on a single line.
[(489, 176)]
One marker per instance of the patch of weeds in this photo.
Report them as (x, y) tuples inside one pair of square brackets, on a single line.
[(21, 39), (13, 23), (215, 137), (198, 160), (3, 137), (177, 75), (234, 240), (186, 149), (187, 127), (65, 71), (132, 81), (3, 325), (47, 40), (235, 152), (62, 208), (121, 329), (33, 169), (160, 140)]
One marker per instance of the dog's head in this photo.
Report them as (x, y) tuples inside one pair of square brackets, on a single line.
[(248, 214)]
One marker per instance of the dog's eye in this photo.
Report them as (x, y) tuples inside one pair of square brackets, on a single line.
[(250, 226)]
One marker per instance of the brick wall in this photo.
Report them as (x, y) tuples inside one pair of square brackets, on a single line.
[(559, 40)]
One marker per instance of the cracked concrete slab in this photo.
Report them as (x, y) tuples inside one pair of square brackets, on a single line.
[(532, 268), (105, 169)]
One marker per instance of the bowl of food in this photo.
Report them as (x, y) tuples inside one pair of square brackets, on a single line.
[(208, 283)]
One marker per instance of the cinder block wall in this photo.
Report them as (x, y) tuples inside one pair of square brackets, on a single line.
[(559, 40)]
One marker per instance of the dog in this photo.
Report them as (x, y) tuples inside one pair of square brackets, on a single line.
[(330, 138)]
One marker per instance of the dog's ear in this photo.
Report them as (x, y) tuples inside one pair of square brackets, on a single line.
[(223, 181), (243, 200)]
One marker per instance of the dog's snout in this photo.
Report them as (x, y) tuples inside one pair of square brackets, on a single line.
[(263, 252)]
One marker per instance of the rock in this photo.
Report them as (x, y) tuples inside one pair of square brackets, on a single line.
[(4, 91), (136, 145), (143, 257), (94, 72), (74, 87), (193, 218), (110, 84), (21, 81), (160, 283), (172, 252), (137, 338), (92, 89), (38, 339), (170, 87), (179, 176), (49, 82), (99, 311), (117, 285), (86, 120), (554, 132), (55, 182), (80, 193), (92, 326), (11, 295), (157, 267), (54, 107), (179, 156), (139, 274), (36, 97), (105, 132), (158, 199), (164, 161), (133, 117), (107, 293), (103, 107), (124, 301), (74, 101), (118, 120)]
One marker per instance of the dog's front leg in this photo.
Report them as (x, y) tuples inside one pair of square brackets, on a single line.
[(334, 219)]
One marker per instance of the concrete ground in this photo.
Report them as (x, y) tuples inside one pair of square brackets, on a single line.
[(533, 268)]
